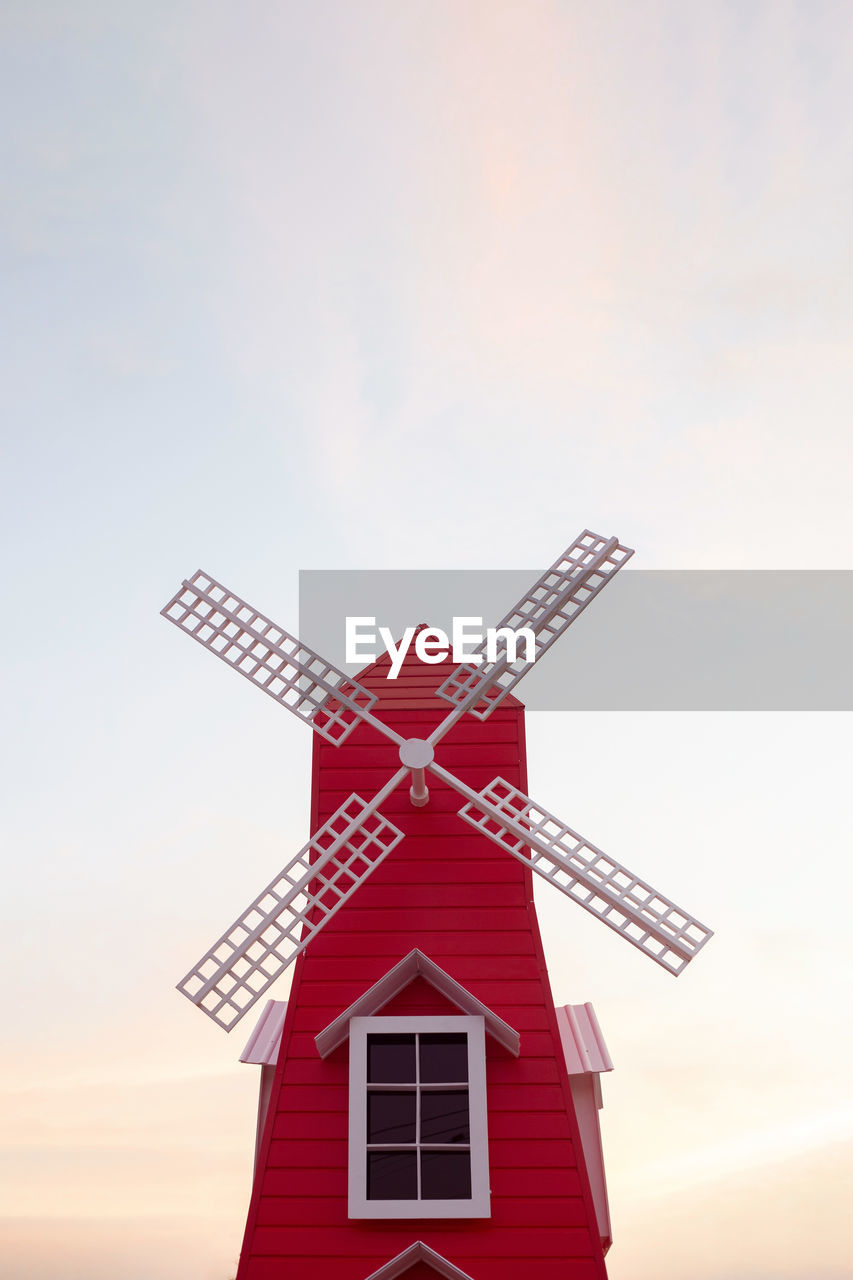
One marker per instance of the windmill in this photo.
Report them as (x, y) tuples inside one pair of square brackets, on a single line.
[(416, 1033)]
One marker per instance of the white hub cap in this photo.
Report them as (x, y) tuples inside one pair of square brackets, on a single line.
[(416, 754)]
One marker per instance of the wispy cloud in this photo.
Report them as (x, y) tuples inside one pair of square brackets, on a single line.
[(735, 1157)]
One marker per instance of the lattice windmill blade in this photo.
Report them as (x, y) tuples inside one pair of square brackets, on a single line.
[(551, 605), (299, 679), (599, 883), (283, 919)]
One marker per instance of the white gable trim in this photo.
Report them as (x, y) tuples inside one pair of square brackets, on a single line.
[(415, 965), (418, 1252)]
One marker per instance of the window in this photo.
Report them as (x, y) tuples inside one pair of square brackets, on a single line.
[(418, 1146)]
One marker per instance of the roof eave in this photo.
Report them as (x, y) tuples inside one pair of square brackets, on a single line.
[(415, 965)]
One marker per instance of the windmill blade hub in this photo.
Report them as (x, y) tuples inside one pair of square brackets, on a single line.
[(416, 754)]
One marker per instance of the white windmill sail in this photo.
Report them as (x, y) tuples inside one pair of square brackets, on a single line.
[(283, 919), (552, 604), (299, 679), (597, 882)]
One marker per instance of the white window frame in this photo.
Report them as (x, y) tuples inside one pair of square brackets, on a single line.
[(479, 1205)]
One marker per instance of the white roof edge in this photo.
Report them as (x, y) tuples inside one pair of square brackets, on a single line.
[(262, 1045), (412, 966), (583, 1044), (418, 1252)]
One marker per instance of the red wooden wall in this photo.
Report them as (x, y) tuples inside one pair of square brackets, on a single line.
[(468, 906)]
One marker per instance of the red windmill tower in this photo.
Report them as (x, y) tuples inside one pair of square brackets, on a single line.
[(431, 1112)]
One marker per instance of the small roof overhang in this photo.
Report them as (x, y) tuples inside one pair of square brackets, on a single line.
[(415, 965), (583, 1044), (262, 1045), (418, 1252)]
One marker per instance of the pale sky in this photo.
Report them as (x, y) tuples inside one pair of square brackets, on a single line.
[(377, 285)]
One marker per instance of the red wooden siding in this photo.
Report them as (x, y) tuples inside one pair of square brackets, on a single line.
[(468, 906)]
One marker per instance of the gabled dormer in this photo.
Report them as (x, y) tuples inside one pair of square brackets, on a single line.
[(418, 1131)]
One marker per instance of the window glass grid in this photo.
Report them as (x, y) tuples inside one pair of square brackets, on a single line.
[(417, 1087)]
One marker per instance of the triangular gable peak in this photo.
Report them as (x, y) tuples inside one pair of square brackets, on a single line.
[(415, 965), (418, 1252)]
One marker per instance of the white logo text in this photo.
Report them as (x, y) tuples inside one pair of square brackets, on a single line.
[(433, 645)]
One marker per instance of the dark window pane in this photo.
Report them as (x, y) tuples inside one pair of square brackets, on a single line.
[(444, 1058), (445, 1175), (391, 1059), (444, 1117), (391, 1117), (392, 1175)]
